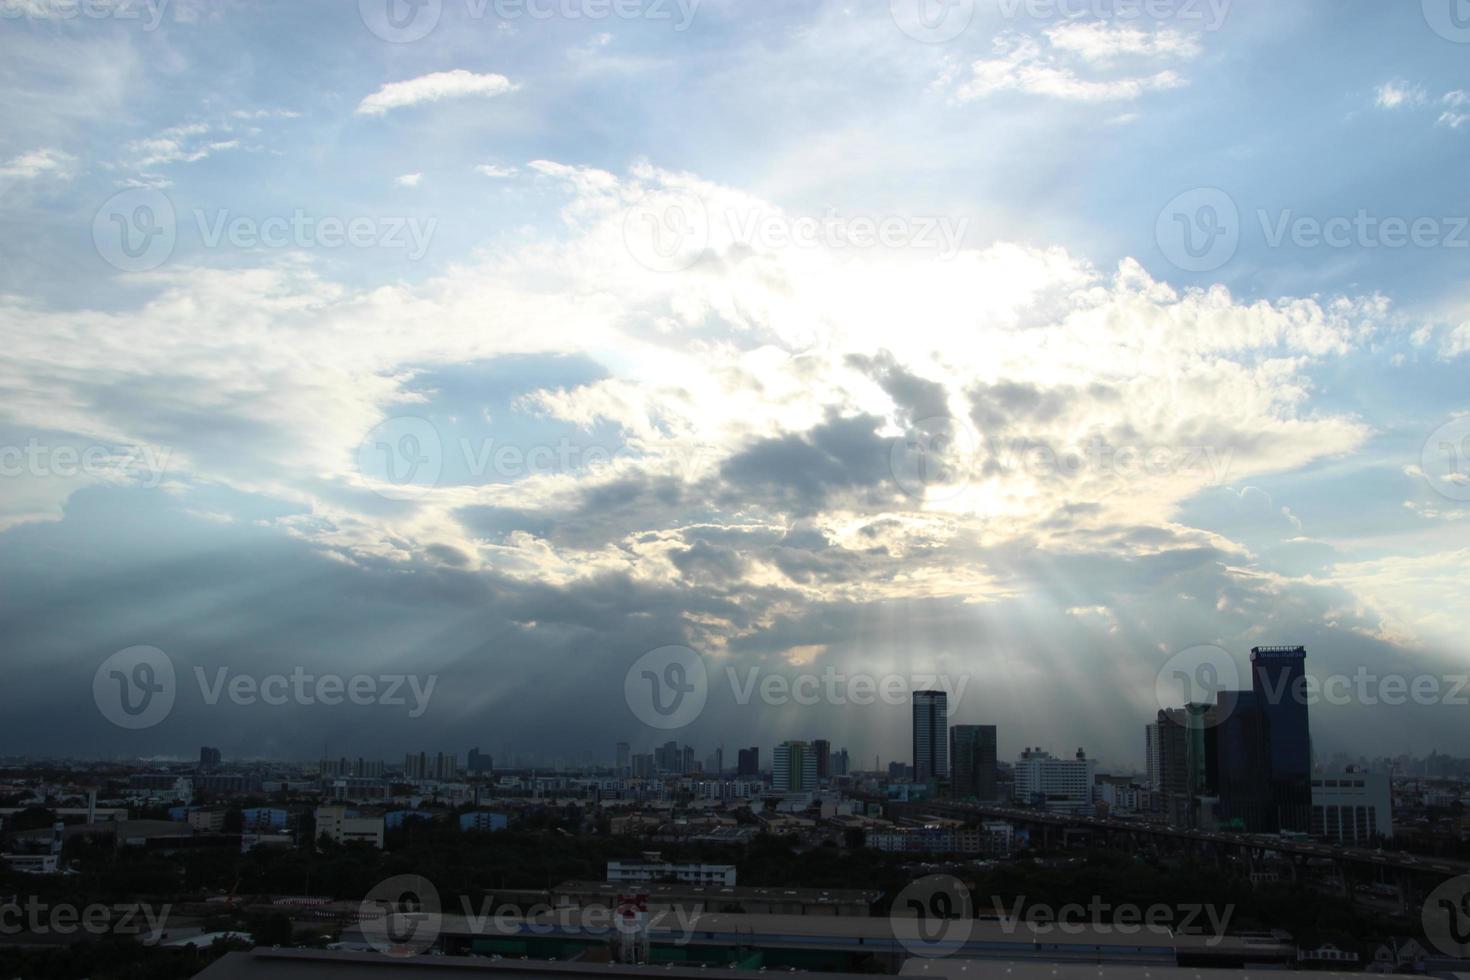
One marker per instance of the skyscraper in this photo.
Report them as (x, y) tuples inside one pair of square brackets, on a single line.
[(823, 749), (931, 735), (1241, 746), (1278, 676), (624, 758), (972, 755), (748, 762), (794, 768)]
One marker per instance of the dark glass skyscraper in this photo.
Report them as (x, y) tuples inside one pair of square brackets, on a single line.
[(1264, 746), (931, 735), (973, 763), (1278, 680)]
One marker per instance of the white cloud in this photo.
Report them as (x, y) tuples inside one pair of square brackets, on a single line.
[(496, 171), (408, 180), (1053, 65), (179, 144), (1398, 94), (39, 163), (433, 88)]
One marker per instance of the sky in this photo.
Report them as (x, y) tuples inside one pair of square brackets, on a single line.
[(498, 361)]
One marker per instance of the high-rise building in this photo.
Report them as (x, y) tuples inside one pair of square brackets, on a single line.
[(208, 757), (823, 749), (840, 763), (624, 758), (1151, 755), (644, 766), (973, 762), (1056, 784), (1278, 677), (1263, 747), (749, 762), (794, 768), (420, 766), (1241, 751), (1186, 767), (931, 735)]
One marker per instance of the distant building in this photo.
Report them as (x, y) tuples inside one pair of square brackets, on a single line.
[(483, 821), (841, 764), (643, 766), (749, 762), (1264, 748), (624, 759), (1056, 784), (973, 762), (344, 826), (208, 757), (206, 821), (1278, 677), (931, 735), (822, 748), (479, 762), (1352, 807), (793, 768), (263, 818), (696, 874), (422, 767)]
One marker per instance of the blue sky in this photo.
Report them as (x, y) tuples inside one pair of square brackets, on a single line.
[(981, 225)]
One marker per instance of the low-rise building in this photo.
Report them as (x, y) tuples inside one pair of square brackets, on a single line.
[(344, 826)]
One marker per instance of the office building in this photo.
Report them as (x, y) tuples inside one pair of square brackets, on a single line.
[(794, 768), (1278, 679), (1043, 780), (643, 766), (208, 757), (1352, 807), (624, 756), (973, 762), (479, 762), (823, 749), (422, 767), (840, 763), (344, 826), (1186, 766), (931, 735), (749, 762), (1244, 802)]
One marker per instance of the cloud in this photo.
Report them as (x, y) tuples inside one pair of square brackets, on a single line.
[(435, 87), (496, 171), (408, 180), (185, 143), (1079, 62), (757, 492), (44, 162), (1398, 94)]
